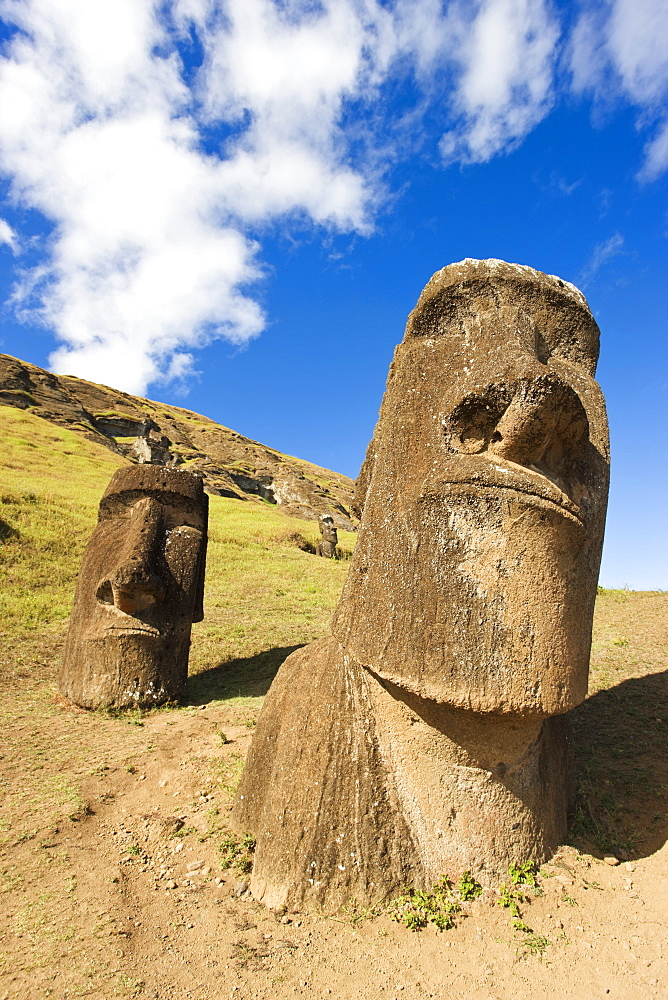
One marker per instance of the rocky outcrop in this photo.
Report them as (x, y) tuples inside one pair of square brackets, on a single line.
[(154, 433)]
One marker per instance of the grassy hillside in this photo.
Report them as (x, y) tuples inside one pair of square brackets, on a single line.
[(80, 862), (232, 465), (262, 591), (264, 596)]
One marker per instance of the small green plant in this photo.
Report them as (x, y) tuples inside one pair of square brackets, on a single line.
[(468, 887), (223, 738), (523, 874), (512, 894), (417, 908), (183, 831), (133, 850), (510, 898), (534, 944), (569, 900), (356, 913), (128, 985), (237, 852)]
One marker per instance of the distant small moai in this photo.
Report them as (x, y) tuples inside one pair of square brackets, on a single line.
[(328, 537), (140, 588), (149, 449), (427, 733)]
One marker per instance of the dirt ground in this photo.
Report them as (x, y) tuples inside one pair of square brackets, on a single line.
[(113, 885)]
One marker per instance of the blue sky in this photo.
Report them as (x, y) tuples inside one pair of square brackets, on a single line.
[(233, 206)]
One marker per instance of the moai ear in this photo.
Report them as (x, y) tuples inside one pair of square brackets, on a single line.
[(363, 480), (198, 608)]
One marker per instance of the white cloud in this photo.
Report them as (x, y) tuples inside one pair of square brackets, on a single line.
[(620, 48), (8, 236), (600, 255), (506, 54), (149, 258), (107, 133), (656, 155)]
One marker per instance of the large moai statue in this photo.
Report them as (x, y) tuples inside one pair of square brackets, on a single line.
[(328, 537), (427, 733), (140, 587)]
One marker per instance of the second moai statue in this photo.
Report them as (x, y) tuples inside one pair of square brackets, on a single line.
[(426, 734), (140, 588), (328, 537)]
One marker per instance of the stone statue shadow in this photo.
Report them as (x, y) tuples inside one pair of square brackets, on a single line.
[(621, 749), (246, 677)]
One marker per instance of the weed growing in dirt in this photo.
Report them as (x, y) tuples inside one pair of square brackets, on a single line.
[(522, 874), (417, 908), (229, 772), (182, 832), (468, 887), (129, 986), (533, 944), (513, 893), (237, 852), (356, 913)]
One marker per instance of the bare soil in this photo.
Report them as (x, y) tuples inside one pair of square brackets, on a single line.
[(105, 894)]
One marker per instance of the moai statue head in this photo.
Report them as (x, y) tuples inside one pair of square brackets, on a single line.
[(484, 493), (328, 537), (140, 587)]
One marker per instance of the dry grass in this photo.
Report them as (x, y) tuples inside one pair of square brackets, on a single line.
[(264, 597)]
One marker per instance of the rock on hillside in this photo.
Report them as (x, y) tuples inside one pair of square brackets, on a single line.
[(145, 431)]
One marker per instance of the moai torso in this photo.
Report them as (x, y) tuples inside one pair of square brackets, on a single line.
[(427, 733)]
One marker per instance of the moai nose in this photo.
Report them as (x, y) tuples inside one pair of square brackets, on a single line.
[(135, 583), (544, 427)]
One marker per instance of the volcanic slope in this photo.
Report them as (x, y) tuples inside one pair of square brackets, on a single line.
[(120, 876), (139, 429)]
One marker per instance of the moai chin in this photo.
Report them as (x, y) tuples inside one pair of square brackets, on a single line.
[(140, 587), (328, 537), (427, 733)]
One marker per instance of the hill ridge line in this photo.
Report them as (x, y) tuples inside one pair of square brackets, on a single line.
[(148, 431)]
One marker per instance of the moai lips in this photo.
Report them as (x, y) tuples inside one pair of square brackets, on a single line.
[(427, 734), (139, 590), (486, 486)]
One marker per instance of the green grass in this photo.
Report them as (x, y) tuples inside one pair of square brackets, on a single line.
[(51, 480), (50, 484), (264, 597)]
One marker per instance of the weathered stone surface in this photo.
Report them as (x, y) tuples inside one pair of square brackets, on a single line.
[(486, 490), (316, 792), (328, 537), (427, 734), (140, 587)]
